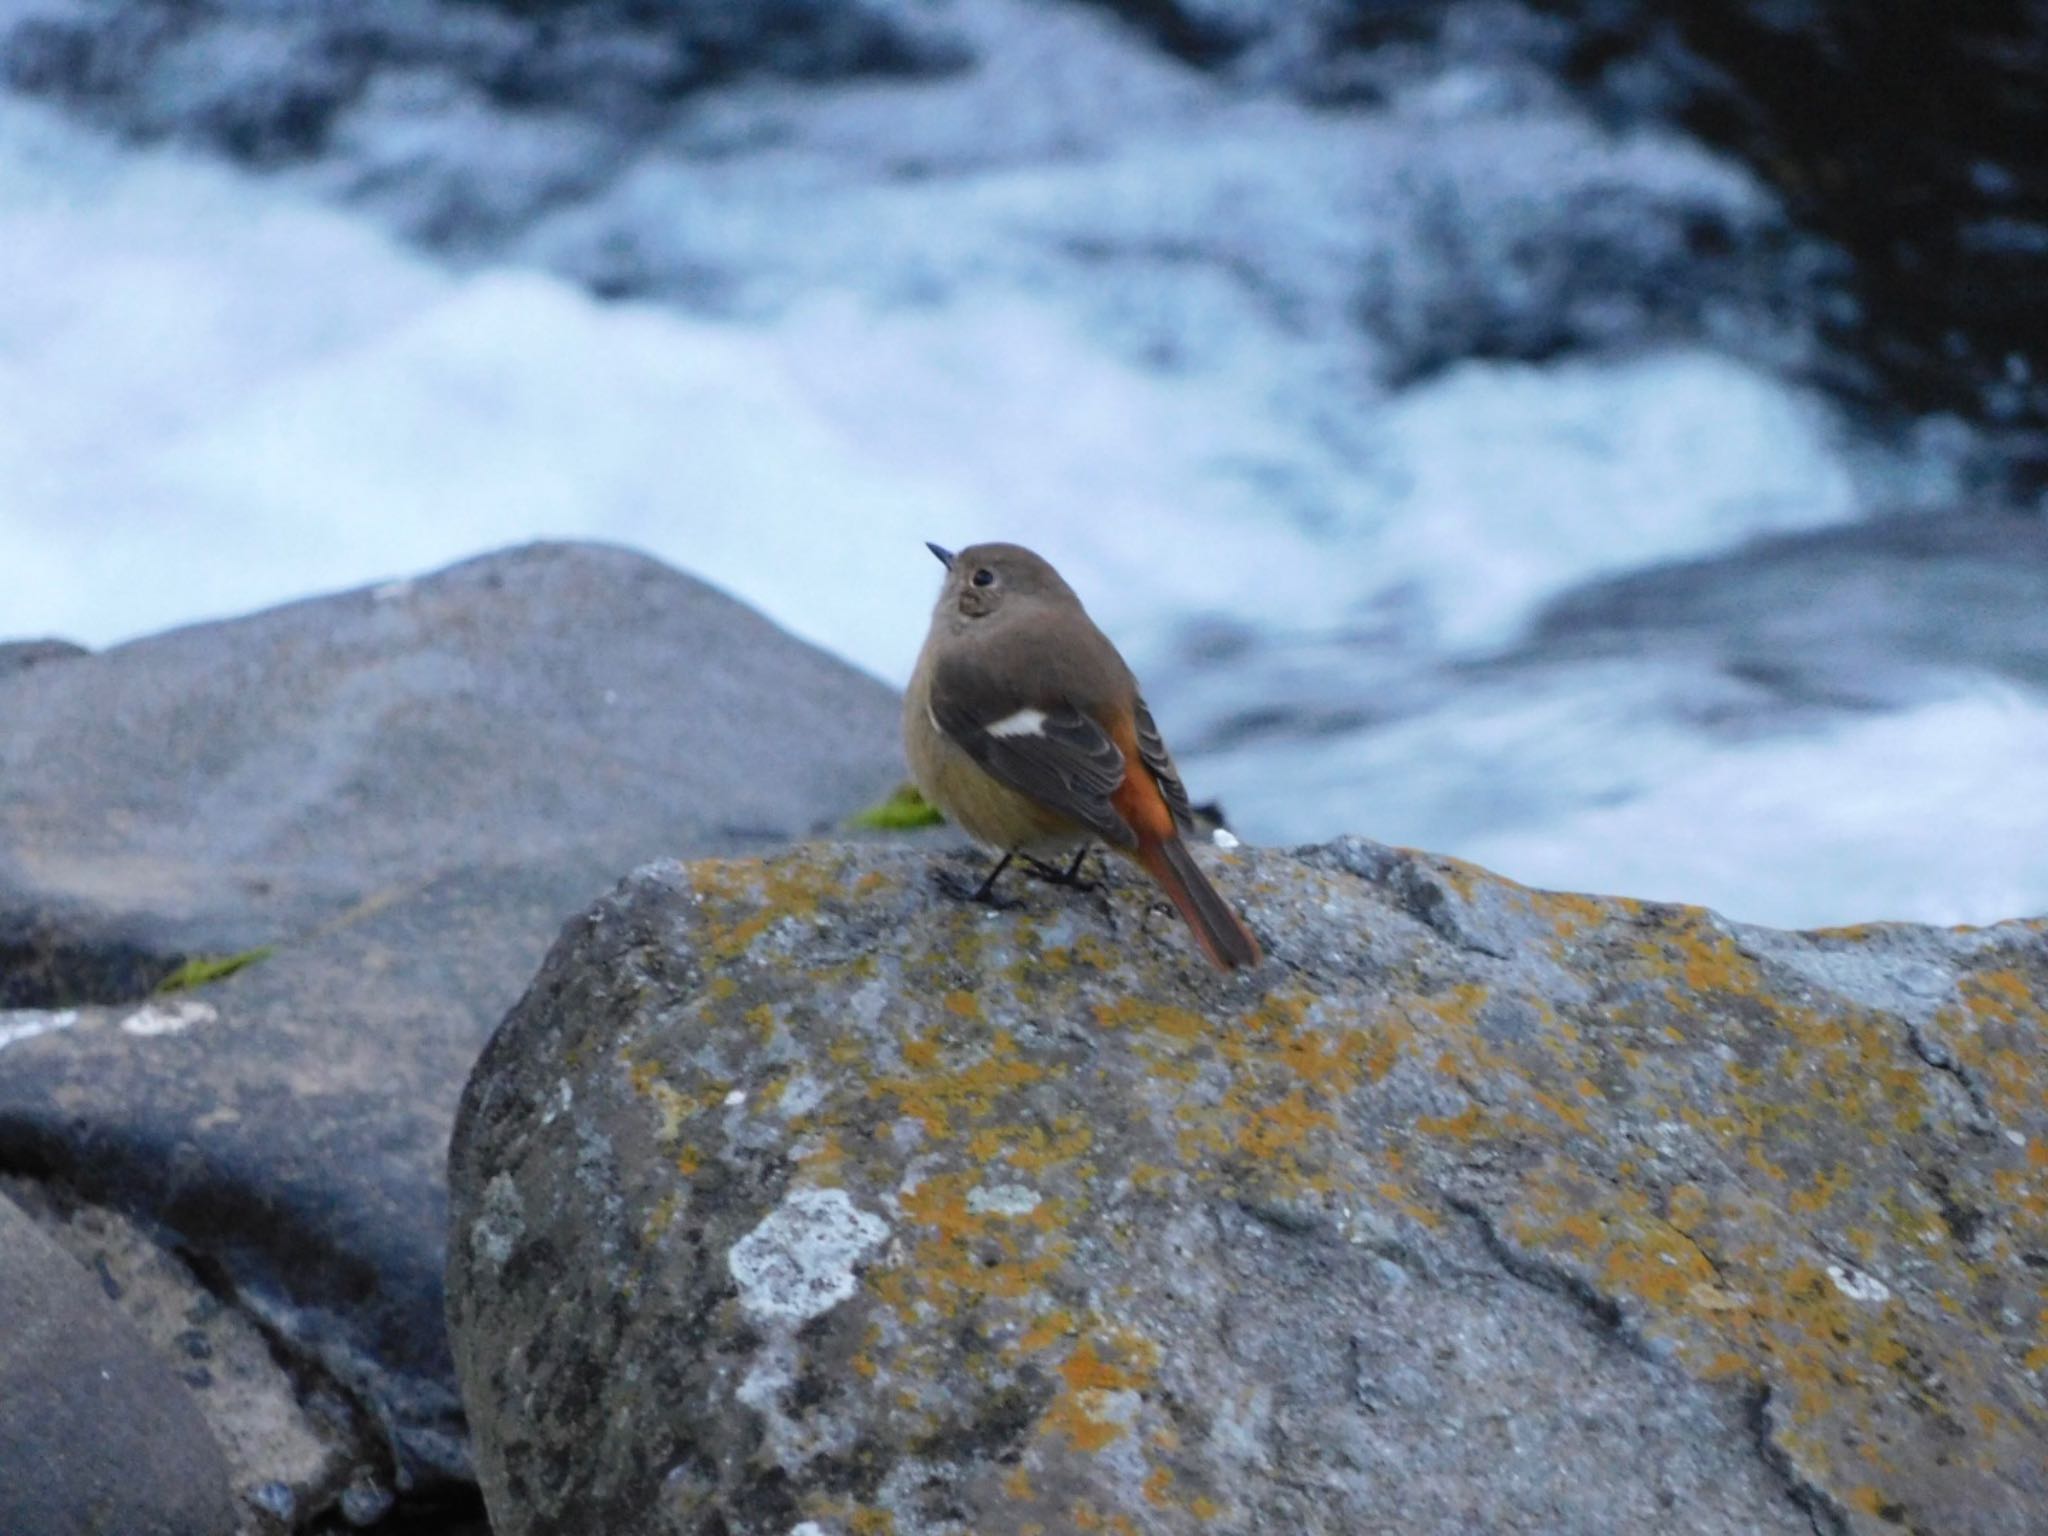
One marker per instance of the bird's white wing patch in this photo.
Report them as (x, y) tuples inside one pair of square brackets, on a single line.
[(1026, 722)]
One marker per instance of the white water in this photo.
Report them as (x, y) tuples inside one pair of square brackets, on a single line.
[(219, 392)]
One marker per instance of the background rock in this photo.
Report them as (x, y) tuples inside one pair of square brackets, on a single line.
[(96, 1433), (16, 654), (398, 794), (794, 1192), (292, 1443)]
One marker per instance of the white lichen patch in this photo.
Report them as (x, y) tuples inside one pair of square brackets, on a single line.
[(1002, 1200), (1858, 1285), (26, 1023), (1111, 1405), (798, 1263), (800, 1097), (767, 1379), (500, 1225), (172, 1018)]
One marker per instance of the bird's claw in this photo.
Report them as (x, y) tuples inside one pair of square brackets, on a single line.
[(982, 894), (1070, 876)]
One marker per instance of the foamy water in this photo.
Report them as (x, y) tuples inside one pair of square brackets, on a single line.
[(1132, 341)]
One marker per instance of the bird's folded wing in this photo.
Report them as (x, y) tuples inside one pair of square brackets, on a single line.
[(1048, 750), (1159, 763)]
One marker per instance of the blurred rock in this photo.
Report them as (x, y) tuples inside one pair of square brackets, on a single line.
[(290, 1445), (796, 1196), (566, 707), (17, 654), (1872, 616), (97, 1435), (387, 801)]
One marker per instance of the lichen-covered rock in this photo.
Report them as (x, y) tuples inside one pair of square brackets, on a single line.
[(798, 1197)]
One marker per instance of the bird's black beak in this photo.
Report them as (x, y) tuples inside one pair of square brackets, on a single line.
[(945, 555)]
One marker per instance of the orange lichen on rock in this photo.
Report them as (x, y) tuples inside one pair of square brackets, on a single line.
[(1791, 1188)]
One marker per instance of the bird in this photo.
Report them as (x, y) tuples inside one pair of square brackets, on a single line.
[(1025, 727)]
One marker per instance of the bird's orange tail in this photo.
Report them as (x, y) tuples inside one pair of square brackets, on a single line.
[(1221, 933)]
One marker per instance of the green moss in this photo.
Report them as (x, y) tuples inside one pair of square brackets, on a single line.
[(199, 970), (905, 808)]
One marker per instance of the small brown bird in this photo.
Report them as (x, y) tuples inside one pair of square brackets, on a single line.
[(1025, 727)]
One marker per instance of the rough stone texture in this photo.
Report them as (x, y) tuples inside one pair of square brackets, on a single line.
[(290, 1446), (797, 1192), (96, 1434), (403, 791)]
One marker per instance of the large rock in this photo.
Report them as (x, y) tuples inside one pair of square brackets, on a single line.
[(399, 793), (292, 1444), (797, 1197), (243, 783), (96, 1434)]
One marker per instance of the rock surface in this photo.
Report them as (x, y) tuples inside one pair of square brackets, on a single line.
[(796, 1197), (293, 1444), (238, 784), (399, 793), (96, 1433)]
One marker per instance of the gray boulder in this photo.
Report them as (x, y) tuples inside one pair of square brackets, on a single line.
[(96, 1433), (388, 801), (292, 1443), (16, 654), (795, 1196)]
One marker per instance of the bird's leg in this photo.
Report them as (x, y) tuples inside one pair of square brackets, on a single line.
[(1071, 875), (985, 893), (987, 888)]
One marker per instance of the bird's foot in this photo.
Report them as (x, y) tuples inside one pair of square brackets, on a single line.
[(1052, 874), (957, 887)]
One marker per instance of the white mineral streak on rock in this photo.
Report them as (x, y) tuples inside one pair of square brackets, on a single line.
[(1858, 1285), (565, 1100), (26, 1023), (798, 1263), (803, 1095), (172, 1018), (761, 1389), (503, 1222), (1002, 1200)]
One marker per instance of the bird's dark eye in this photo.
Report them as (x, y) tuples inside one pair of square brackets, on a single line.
[(984, 577)]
